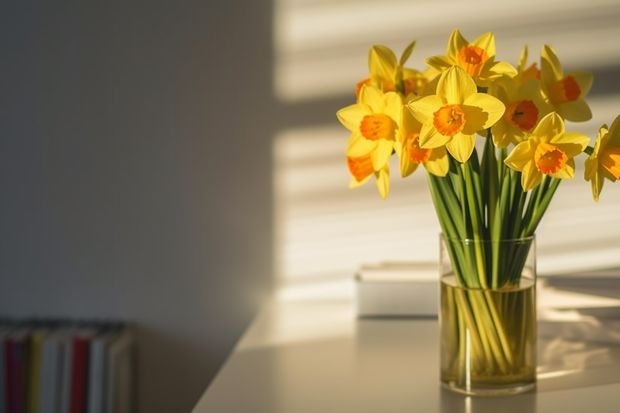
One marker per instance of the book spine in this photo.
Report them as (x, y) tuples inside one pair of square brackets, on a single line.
[(65, 379), (34, 372), (17, 359), (97, 376), (79, 375), (3, 382)]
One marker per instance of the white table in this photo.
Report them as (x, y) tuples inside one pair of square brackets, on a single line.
[(316, 356)]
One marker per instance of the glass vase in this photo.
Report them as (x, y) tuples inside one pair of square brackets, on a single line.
[(487, 315)]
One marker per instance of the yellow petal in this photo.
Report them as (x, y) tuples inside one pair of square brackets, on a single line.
[(393, 106), (520, 156), (597, 186), (550, 65), (576, 111), (438, 164), (501, 68), (567, 172), (381, 155), (406, 53), (549, 127), (591, 167), (373, 97), (424, 108), (352, 115), (455, 85), (614, 132), (383, 182), (523, 59), (430, 138), (359, 146), (530, 176), (461, 146), (499, 131), (382, 62), (406, 166), (493, 107), (440, 63), (486, 41), (456, 43), (572, 143)]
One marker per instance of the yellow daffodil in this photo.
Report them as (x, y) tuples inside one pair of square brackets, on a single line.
[(389, 74), (525, 72), (454, 115), (373, 122), (411, 155), (549, 151), (525, 106), (361, 170), (604, 162), (566, 92), (477, 58)]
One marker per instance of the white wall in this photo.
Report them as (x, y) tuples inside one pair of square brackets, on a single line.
[(135, 173)]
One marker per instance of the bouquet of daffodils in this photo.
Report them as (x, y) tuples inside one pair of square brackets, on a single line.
[(501, 188)]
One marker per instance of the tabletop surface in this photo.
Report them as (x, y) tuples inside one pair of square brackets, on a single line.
[(317, 356)]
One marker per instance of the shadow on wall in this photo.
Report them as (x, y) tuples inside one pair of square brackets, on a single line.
[(136, 163)]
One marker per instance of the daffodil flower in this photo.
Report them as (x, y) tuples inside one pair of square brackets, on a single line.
[(604, 162), (455, 114), (548, 151), (525, 106), (525, 72), (361, 170), (477, 58), (389, 74), (373, 122), (566, 92), (383, 68), (411, 155)]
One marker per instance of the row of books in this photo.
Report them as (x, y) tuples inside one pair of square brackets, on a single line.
[(59, 366)]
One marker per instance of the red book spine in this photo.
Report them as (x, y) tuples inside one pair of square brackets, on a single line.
[(8, 382), (16, 359), (79, 375)]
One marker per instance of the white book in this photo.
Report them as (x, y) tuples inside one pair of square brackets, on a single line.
[(397, 289), (65, 375), (98, 370), (51, 376), (120, 374)]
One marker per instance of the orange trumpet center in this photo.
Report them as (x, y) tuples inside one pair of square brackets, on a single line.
[(565, 90), (522, 114), (472, 59), (360, 167), (549, 159), (415, 152), (378, 126), (449, 120), (611, 161)]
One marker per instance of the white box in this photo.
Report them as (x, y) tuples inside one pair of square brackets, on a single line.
[(397, 289)]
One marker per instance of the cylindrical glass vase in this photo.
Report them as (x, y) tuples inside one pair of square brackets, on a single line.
[(488, 315)]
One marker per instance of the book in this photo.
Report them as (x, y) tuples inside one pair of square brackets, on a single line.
[(51, 372), (16, 347), (98, 368), (64, 366), (397, 289), (79, 372), (34, 369), (120, 380), (4, 331)]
